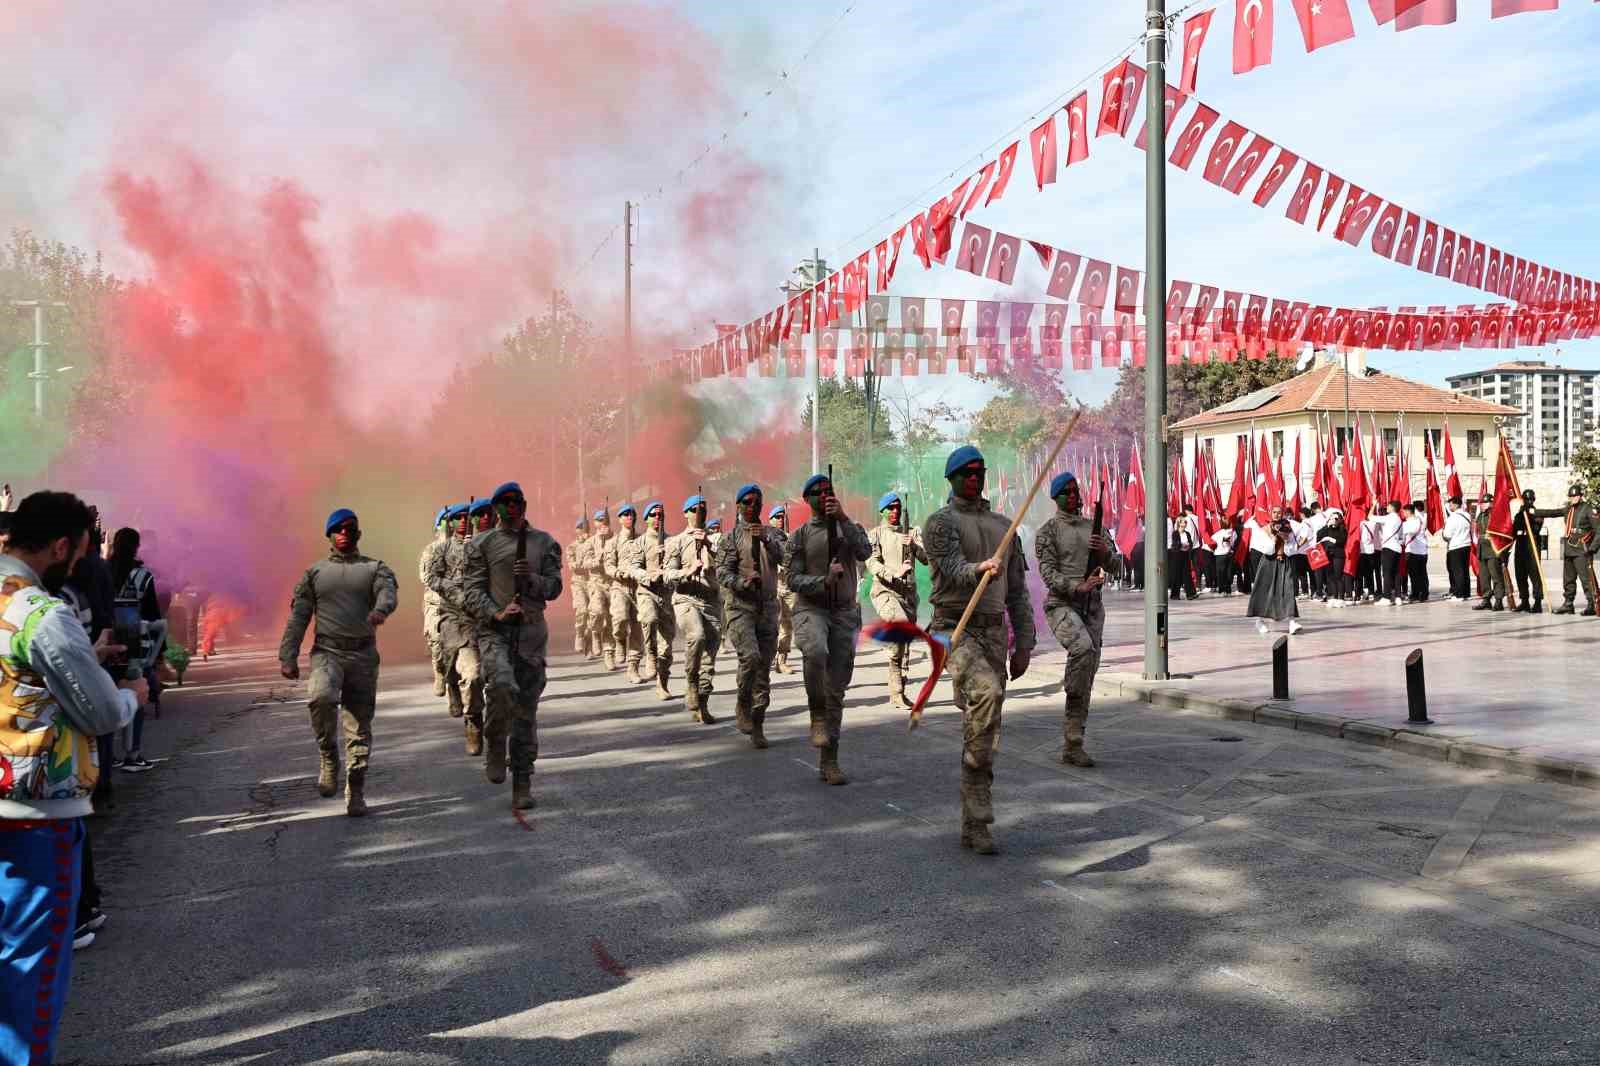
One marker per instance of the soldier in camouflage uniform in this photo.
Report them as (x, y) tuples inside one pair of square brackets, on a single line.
[(513, 637), (690, 571), (578, 559), (962, 538), (626, 637), (600, 589), (778, 519), (349, 595), (893, 566), (747, 570), (458, 633), (823, 572), (642, 563), (714, 538), (1066, 551), (430, 600)]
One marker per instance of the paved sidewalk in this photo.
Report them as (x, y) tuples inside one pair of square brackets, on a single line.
[(1498, 684)]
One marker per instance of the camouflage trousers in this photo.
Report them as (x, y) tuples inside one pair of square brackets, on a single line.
[(599, 616), (752, 629), (627, 639), (894, 607), (513, 679), (785, 623), (701, 626), (978, 673), (1080, 636), (827, 642), (344, 691), (657, 630), (580, 613), (463, 680), (430, 632)]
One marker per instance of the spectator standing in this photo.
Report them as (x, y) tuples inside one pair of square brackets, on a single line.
[(1458, 542), (136, 584)]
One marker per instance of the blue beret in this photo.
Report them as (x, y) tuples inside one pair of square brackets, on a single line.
[(887, 498), (480, 505), (343, 514), (692, 502), (715, 523), (601, 516), (1058, 484), (626, 508), (505, 490), (745, 490), (456, 510), (583, 523), (653, 505), (777, 509), (812, 482), (959, 458), (440, 516)]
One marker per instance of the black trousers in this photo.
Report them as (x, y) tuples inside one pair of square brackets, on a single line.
[(1388, 573), (1334, 582), (1526, 579), (1223, 566), (1251, 562), (1458, 564), (1417, 577), (1179, 574), (1367, 574), (1302, 573)]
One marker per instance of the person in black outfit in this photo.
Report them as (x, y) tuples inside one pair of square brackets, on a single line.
[(1525, 552)]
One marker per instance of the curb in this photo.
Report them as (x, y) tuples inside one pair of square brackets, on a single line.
[(1431, 744)]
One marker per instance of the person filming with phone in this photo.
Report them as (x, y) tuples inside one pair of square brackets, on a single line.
[(1072, 551)]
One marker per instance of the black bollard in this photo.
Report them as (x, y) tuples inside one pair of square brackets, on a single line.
[(1416, 690), (1280, 668)]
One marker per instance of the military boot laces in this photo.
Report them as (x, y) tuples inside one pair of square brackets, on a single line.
[(521, 792), (355, 801), (975, 835), (474, 738), (328, 776)]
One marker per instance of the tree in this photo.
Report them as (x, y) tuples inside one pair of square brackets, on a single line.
[(845, 441), (1586, 466), (1191, 389)]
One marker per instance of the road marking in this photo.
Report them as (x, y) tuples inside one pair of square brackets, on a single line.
[(1211, 786), (1075, 894), (909, 814), (1451, 849)]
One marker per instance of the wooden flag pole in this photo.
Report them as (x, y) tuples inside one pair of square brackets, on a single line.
[(1527, 523)]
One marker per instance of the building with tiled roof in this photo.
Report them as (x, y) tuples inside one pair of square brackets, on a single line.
[(1314, 405), (1558, 405)]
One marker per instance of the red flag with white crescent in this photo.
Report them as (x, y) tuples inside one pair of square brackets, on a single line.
[(1042, 142), (1077, 110), (1410, 14), (1452, 479), (1111, 96), (1252, 35), (1434, 501), (1194, 36), (1222, 151), (1008, 162), (1324, 22), (1188, 142), (1305, 189)]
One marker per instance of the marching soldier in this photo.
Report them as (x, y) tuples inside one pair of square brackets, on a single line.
[(962, 538), (483, 516), (896, 550), (1067, 552), (778, 519), (512, 572), (747, 570), (430, 599), (714, 538), (642, 563), (626, 639), (822, 557), (600, 590), (1525, 553), (349, 595), (578, 559), (690, 571), (1577, 552), (1491, 567), (458, 633)]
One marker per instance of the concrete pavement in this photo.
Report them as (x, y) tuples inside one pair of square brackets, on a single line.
[(1214, 892)]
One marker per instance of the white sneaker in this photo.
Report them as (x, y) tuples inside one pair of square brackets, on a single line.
[(1261, 627), (1295, 627)]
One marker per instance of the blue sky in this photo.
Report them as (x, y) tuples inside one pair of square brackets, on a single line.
[(1485, 125)]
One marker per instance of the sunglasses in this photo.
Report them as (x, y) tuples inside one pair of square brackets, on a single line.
[(972, 471), (349, 528), (513, 501)]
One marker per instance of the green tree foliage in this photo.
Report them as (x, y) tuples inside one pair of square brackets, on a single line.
[(1586, 467), (1191, 389), (845, 441)]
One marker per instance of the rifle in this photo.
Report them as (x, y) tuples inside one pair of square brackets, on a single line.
[(520, 583), (833, 541), (1096, 558)]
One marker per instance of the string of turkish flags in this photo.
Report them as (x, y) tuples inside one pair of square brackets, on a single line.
[(1237, 154)]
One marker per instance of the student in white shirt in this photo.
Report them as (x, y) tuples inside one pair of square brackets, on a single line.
[(1223, 542), (1458, 543), (1367, 569), (1180, 549), (1414, 535), (1295, 551), (1315, 520), (1389, 554)]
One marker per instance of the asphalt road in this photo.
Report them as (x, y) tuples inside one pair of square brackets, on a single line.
[(1211, 893)]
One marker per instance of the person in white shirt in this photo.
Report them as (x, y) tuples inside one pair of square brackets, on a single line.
[(1414, 535), (1223, 542), (1458, 543), (1367, 568), (1181, 538), (1295, 550), (1315, 520), (1389, 554)]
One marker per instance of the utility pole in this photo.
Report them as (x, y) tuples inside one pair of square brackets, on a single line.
[(1155, 314), (627, 337), (811, 274), (39, 375)]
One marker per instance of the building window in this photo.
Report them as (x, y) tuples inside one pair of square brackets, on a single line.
[(1474, 444), (1339, 440), (1277, 443), (1391, 438), (1436, 440)]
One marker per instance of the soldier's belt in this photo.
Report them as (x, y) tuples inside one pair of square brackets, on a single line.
[(984, 619), (333, 643)]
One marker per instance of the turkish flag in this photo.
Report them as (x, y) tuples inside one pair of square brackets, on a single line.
[(974, 248), (1330, 195), (1205, 297), (1502, 8), (1278, 321), (1315, 324), (894, 258), (1254, 313), (1246, 165), (1194, 35), (1304, 190), (1430, 247), (1003, 258), (1127, 298), (1360, 208), (966, 358), (1174, 103), (919, 240), (1132, 88), (1324, 22), (1463, 267), (878, 311), (1252, 35), (985, 176), (1042, 141), (1096, 278), (826, 354), (1505, 475), (1064, 275), (1491, 277), (1177, 297), (1078, 128), (1111, 97), (911, 314), (1055, 323), (988, 320), (1021, 313), (1475, 266), (1188, 142), (1447, 254), (1406, 246), (1222, 150), (1434, 499), (1228, 320), (950, 314), (1410, 14), (1387, 230), (1279, 173), (1008, 162)]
